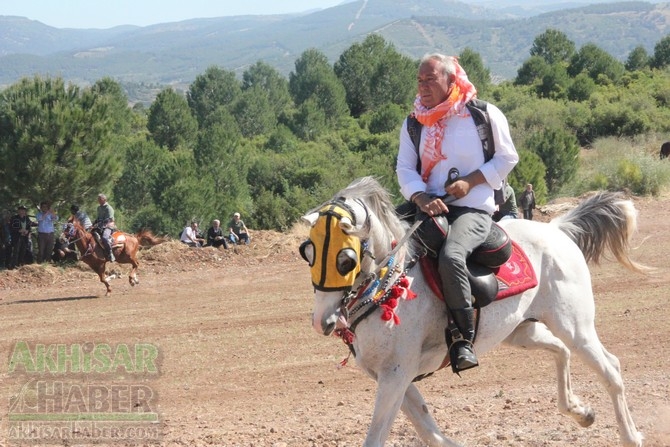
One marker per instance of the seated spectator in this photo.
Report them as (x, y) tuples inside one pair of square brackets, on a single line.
[(64, 252), (80, 216), (238, 231), (191, 237), (215, 237)]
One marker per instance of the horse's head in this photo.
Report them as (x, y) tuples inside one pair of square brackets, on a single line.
[(334, 252), (73, 232), (346, 235), (69, 231)]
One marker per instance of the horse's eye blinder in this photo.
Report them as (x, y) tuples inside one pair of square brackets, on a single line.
[(347, 260), (307, 251)]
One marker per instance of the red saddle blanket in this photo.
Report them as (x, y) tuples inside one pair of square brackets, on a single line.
[(515, 276)]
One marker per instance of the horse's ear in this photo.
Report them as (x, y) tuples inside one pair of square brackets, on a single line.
[(346, 225), (310, 219)]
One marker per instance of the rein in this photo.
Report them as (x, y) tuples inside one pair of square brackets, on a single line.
[(389, 257), (89, 246), (370, 294)]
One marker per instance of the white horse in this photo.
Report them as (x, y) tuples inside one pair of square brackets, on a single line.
[(397, 340)]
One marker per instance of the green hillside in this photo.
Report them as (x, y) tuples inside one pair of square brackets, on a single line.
[(175, 53)]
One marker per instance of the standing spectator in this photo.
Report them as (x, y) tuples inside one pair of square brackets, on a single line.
[(238, 231), (105, 222), (190, 235), (508, 209), (80, 216), (46, 218), (20, 233), (527, 200), (215, 237), (5, 240)]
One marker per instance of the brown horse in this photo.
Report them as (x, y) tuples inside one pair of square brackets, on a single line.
[(125, 247)]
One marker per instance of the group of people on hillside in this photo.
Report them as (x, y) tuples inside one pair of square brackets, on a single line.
[(16, 232), (237, 233), (16, 243)]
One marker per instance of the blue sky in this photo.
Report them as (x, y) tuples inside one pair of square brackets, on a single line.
[(109, 13)]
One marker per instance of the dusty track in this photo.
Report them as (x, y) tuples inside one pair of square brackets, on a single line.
[(241, 366)]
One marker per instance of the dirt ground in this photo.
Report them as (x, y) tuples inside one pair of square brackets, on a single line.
[(239, 365)]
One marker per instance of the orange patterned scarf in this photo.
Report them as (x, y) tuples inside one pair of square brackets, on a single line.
[(434, 119)]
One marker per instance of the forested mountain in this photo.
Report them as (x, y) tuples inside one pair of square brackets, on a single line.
[(176, 53)]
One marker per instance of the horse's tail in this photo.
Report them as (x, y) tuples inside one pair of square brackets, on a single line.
[(603, 221), (148, 239)]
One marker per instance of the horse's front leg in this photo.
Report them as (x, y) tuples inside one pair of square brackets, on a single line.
[(391, 386), (416, 410), (104, 279)]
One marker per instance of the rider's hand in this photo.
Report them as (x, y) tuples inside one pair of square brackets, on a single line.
[(462, 186), (432, 206), (459, 189)]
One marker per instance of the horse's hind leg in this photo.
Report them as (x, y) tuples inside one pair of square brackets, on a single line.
[(581, 335), (608, 368), (417, 412), (535, 335)]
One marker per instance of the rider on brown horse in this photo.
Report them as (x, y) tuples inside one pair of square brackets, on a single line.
[(105, 224)]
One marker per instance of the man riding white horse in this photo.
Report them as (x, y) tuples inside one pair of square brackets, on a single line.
[(450, 144)]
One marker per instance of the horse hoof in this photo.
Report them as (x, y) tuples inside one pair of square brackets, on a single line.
[(588, 418)]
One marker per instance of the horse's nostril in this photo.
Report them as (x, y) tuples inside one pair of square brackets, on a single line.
[(329, 329)]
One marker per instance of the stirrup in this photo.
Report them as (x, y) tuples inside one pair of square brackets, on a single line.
[(465, 363)]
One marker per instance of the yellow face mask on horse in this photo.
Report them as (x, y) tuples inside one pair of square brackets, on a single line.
[(333, 255)]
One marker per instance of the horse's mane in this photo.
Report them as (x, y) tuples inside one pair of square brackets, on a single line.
[(378, 199), (78, 226)]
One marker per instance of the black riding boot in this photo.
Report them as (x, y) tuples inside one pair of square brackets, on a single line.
[(464, 355), (109, 251)]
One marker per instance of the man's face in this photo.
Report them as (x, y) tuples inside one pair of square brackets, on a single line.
[(433, 83)]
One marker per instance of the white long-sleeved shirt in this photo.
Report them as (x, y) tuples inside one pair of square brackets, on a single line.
[(189, 235), (463, 150)]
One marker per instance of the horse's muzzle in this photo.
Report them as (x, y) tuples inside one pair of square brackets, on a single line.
[(328, 323)]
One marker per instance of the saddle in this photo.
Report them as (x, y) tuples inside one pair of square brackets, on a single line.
[(118, 237), (497, 269)]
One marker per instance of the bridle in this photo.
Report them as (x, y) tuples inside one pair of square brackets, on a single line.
[(72, 229), (379, 287)]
